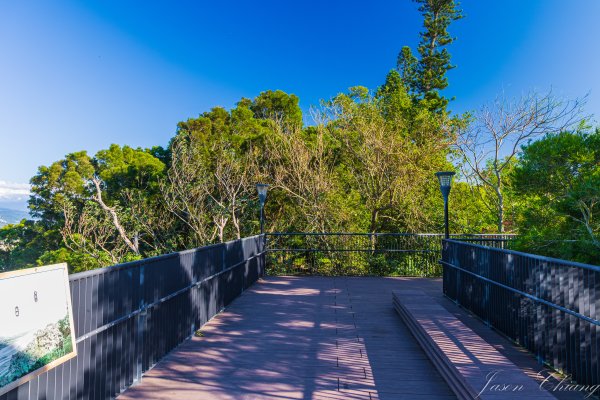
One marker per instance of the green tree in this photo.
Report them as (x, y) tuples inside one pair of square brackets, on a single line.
[(279, 106), (425, 77), (213, 172), (130, 179), (559, 177), (301, 169), (468, 209), (102, 206), (63, 180), (22, 244), (489, 144), (390, 150)]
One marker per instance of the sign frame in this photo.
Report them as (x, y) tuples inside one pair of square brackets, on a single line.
[(54, 363)]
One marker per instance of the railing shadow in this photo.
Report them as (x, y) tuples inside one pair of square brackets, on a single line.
[(549, 306), (129, 316), (280, 340)]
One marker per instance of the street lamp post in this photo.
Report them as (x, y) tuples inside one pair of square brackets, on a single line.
[(262, 197), (445, 179)]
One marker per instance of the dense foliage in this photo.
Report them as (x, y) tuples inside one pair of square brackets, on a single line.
[(559, 180), (363, 161)]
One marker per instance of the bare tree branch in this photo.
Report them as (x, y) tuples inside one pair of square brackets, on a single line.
[(489, 145)]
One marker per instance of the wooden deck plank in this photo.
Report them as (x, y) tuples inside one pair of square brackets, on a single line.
[(477, 369), (551, 382), (300, 338), (293, 337)]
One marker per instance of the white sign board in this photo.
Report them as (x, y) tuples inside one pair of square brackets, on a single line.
[(36, 323)]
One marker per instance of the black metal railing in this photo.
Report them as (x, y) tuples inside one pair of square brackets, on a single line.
[(547, 305), (360, 254), (129, 316)]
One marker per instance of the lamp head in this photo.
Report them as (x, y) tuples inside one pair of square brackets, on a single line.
[(445, 179), (262, 192)]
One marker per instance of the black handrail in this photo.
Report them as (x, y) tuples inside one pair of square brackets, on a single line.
[(548, 305), (351, 253), (130, 315), (502, 236), (534, 256)]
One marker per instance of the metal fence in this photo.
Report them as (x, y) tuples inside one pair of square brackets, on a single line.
[(129, 316), (547, 305), (381, 254)]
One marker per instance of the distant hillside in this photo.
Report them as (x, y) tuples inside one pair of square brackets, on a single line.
[(8, 216)]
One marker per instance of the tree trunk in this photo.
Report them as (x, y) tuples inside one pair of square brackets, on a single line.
[(236, 223), (500, 210), (115, 218), (373, 229), (221, 223), (374, 215)]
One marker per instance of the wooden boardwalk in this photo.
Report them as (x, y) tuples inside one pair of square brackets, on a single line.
[(302, 338)]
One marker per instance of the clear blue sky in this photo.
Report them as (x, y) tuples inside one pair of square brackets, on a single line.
[(82, 75)]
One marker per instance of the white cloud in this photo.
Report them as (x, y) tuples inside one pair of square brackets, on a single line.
[(14, 191)]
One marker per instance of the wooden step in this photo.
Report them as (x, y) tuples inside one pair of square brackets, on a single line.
[(473, 368)]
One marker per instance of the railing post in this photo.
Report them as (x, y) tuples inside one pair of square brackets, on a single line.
[(192, 298), (223, 256), (141, 328), (454, 259), (263, 250)]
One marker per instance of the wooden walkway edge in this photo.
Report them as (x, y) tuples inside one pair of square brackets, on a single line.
[(472, 367)]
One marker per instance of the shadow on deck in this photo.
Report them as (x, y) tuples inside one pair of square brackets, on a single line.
[(310, 338)]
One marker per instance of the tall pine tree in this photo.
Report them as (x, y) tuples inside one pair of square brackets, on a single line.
[(425, 76)]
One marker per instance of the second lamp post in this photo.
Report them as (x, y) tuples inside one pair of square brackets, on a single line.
[(445, 179), (262, 197)]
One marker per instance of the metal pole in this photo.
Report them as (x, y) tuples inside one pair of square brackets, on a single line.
[(263, 238), (446, 218), (262, 222)]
